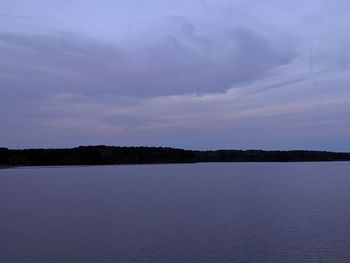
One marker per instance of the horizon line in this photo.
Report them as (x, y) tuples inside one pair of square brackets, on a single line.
[(171, 147)]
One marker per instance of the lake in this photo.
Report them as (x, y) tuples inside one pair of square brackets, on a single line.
[(209, 212)]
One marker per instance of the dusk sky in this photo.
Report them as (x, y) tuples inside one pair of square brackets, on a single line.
[(195, 74)]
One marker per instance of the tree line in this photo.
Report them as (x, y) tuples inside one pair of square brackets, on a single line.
[(103, 155)]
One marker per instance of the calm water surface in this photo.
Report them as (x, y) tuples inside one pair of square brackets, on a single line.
[(232, 212)]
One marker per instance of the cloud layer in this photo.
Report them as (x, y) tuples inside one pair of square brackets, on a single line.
[(222, 75), (174, 63)]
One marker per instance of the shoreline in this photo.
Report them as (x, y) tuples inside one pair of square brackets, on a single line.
[(147, 164), (116, 155)]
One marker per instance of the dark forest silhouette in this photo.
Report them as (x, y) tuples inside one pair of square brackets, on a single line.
[(101, 155)]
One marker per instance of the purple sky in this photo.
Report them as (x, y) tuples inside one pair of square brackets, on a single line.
[(195, 74)]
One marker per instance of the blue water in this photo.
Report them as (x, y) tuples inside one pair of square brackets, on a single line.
[(230, 212)]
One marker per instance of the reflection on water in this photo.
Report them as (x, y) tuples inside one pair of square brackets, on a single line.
[(230, 212)]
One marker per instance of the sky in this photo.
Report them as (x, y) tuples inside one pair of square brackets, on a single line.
[(193, 74)]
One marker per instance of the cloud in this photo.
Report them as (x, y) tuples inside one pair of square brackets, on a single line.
[(181, 61), (299, 115), (219, 75)]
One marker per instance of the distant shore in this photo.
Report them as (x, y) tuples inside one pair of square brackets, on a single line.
[(108, 155), (5, 167)]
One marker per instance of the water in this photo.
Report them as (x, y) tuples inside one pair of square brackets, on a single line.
[(231, 212)]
